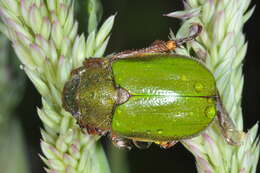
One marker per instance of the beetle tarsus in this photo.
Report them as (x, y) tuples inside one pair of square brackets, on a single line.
[(230, 133), (167, 144), (141, 144), (123, 143), (197, 27)]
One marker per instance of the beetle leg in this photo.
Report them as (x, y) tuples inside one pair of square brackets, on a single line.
[(94, 62), (88, 129), (142, 145), (160, 46), (167, 144), (121, 142), (195, 31), (231, 134), (92, 130), (156, 47)]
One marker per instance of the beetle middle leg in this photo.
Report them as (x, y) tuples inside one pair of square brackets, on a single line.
[(231, 134), (121, 142), (142, 145)]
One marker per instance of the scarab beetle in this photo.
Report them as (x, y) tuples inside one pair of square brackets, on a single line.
[(148, 95)]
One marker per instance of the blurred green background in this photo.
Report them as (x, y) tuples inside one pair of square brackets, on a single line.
[(138, 23)]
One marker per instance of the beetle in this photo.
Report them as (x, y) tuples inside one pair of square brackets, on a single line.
[(147, 96)]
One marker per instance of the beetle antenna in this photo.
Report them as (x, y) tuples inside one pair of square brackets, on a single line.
[(197, 28)]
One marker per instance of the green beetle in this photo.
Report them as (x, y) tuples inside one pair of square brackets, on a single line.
[(144, 96)]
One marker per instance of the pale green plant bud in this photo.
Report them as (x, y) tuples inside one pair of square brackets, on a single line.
[(187, 14), (90, 46), (78, 50), (94, 9), (103, 32), (101, 50)]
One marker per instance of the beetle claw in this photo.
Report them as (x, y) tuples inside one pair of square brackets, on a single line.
[(195, 31), (232, 135), (167, 144), (142, 145), (121, 142), (93, 130)]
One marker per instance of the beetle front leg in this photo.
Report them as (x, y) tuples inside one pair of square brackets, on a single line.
[(121, 142), (156, 47), (160, 46), (167, 144), (231, 134)]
